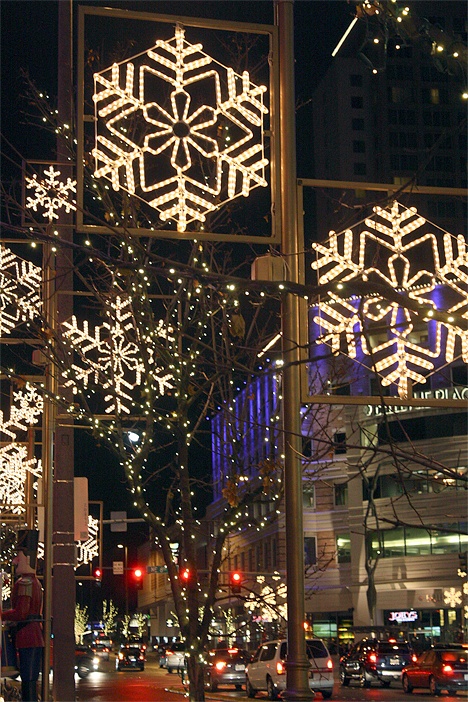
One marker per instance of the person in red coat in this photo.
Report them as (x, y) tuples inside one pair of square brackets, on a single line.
[(26, 611)]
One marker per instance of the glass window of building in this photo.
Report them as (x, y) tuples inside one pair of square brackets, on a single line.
[(357, 102), (308, 495), (341, 494), (359, 146), (310, 553), (339, 443), (343, 548)]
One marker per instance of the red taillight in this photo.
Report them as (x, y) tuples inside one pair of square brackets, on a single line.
[(142, 658), (280, 669), (233, 650), (169, 653), (330, 664), (414, 658), (372, 657), (121, 656), (220, 665), (447, 669)]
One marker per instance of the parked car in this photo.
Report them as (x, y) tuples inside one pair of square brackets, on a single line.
[(372, 660), (161, 650), (438, 669), (130, 657), (266, 670), (226, 666), (85, 661), (175, 657)]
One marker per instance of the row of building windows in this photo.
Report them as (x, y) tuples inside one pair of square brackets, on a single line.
[(261, 559), (409, 541), (419, 482)]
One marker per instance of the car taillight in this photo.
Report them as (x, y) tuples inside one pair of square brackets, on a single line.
[(280, 669), (447, 669), (372, 657), (220, 665), (141, 657), (121, 656), (414, 658), (330, 664), (169, 653)]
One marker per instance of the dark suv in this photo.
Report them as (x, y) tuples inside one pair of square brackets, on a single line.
[(372, 660)]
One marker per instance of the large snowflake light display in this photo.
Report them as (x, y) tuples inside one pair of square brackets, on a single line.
[(111, 357), (182, 131), (50, 193), (20, 285), (15, 461), (399, 248)]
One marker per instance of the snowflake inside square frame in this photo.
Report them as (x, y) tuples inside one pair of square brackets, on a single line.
[(192, 167)]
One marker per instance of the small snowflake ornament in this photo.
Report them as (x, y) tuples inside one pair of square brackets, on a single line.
[(50, 194), (452, 597), (20, 291)]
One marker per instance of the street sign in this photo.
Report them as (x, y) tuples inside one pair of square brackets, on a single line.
[(156, 569), (117, 567), (118, 521)]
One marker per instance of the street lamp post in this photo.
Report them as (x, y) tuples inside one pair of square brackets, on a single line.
[(297, 664), (125, 575)]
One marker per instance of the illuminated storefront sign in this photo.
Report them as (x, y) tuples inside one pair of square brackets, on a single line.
[(400, 617), (452, 393)]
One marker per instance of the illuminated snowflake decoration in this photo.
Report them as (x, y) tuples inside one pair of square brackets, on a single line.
[(399, 249), (452, 597), (89, 549), (15, 462), (271, 605), (110, 357), (158, 138), (50, 194), (20, 286)]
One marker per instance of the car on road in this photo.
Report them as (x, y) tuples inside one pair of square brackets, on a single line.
[(101, 650), (175, 657), (225, 666), (266, 670), (438, 669), (130, 657), (85, 661), (373, 660)]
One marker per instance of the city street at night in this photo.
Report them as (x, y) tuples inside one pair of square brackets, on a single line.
[(155, 684)]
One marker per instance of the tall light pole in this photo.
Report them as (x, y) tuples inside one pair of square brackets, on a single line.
[(125, 574), (297, 664)]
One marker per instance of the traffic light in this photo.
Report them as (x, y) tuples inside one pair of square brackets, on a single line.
[(138, 576), (235, 581), (186, 576), (97, 575)]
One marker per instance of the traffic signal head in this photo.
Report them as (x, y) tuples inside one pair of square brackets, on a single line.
[(235, 581), (138, 576), (97, 575), (185, 575)]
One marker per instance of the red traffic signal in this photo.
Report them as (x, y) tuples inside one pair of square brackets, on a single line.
[(235, 581), (185, 575), (97, 575), (138, 575)]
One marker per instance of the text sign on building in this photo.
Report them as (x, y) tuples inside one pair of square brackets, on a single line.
[(401, 617)]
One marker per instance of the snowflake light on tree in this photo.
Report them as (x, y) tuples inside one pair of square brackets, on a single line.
[(110, 356), (402, 250), (179, 134), (50, 193), (20, 289)]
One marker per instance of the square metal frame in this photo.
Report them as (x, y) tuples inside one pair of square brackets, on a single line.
[(273, 134), (338, 400)]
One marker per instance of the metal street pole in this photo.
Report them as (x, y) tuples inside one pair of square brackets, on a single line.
[(125, 575), (297, 664)]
